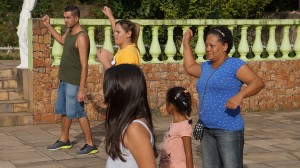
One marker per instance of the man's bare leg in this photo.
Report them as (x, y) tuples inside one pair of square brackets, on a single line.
[(65, 128), (85, 126)]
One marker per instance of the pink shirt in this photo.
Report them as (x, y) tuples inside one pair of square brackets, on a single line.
[(172, 153)]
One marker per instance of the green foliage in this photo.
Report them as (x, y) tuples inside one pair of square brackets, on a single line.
[(213, 9), (244, 9), (9, 21), (139, 9)]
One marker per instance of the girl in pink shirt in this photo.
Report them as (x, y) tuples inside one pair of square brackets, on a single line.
[(177, 145)]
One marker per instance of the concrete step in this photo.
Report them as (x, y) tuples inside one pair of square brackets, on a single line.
[(8, 83), (13, 119), (10, 94), (14, 106)]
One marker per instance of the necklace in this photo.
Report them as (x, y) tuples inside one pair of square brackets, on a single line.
[(205, 87)]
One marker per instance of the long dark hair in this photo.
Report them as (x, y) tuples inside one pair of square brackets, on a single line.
[(127, 25), (125, 93), (181, 99)]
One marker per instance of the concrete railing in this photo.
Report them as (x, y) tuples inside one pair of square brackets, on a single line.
[(281, 35)]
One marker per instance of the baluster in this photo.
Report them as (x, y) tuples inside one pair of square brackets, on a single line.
[(233, 47), (271, 45), (257, 45), (57, 48), (93, 48), (297, 44), (155, 47), (243, 48), (170, 49), (141, 44), (285, 46), (184, 29), (200, 46), (107, 39)]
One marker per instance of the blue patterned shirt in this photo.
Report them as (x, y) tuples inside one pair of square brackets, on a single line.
[(222, 85)]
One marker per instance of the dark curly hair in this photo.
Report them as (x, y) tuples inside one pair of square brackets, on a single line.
[(224, 34), (181, 99)]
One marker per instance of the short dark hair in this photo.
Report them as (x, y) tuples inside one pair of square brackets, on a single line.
[(224, 34), (125, 93), (74, 9)]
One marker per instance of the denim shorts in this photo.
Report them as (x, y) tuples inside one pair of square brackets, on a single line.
[(67, 103)]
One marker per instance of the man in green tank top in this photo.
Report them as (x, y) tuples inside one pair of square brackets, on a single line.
[(73, 71)]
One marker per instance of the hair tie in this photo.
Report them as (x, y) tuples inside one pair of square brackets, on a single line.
[(177, 95), (220, 32), (189, 117)]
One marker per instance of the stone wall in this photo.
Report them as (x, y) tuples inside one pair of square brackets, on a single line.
[(282, 78)]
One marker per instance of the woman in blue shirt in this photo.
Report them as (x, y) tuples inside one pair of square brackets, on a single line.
[(220, 95)]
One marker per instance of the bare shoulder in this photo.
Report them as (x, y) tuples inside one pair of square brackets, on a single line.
[(83, 36), (137, 130)]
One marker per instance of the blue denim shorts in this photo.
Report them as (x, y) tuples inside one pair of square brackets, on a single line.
[(66, 101)]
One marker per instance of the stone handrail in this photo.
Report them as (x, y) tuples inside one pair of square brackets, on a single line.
[(289, 34)]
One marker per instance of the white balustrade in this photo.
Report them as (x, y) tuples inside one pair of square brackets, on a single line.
[(57, 49), (233, 47), (271, 45), (141, 44), (93, 48), (257, 47), (200, 46), (297, 43), (286, 46), (170, 49), (107, 39), (243, 48), (155, 50)]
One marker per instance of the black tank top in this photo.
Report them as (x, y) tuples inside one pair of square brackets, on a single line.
[(70, 66)]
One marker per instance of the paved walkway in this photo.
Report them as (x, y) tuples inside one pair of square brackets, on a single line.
[(272, 139)]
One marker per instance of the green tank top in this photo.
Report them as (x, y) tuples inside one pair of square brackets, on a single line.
[(70, 66)]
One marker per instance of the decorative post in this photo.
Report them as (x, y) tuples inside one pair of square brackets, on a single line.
[(141, 44), (57, 49), (257, 45), (155, 48), (285, 46), (93, 48), (297, 43), (271, 45), (170, 49), (184, 29), (107, 39), (243, 48), (200, 46), (233, 47)]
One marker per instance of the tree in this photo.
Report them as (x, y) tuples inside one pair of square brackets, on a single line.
[(213, 9)]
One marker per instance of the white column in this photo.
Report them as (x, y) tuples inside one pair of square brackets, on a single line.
[(271, 45), (141, 44), (297, 43), (107, 39), (155, 47), (243, 48), (257, 47), (57, 49), (285, 46), (200, 46), (93, 48), (170, 49)]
